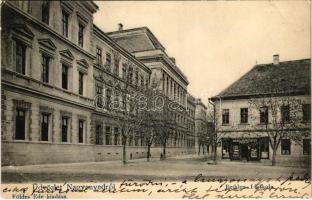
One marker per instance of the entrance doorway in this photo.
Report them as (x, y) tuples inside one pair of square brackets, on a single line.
[(244, 152)]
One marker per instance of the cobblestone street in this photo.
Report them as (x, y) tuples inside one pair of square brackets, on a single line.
[(171, 169)]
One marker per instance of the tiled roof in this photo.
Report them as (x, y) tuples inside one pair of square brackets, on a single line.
[(285, 77)]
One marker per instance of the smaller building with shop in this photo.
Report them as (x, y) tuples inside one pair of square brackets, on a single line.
[(245, 128)]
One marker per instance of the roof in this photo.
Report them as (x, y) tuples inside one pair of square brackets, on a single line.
[(142, 39), (289, 77), (136, 39)]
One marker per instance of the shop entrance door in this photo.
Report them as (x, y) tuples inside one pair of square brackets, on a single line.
[(244, 152)]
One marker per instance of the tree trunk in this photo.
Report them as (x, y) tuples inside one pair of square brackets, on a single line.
[(274, 157), (148, 152), (198, 149), (124, 141), (164, 150), (215, 152)]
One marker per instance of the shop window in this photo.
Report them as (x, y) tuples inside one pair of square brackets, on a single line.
[(306, 146), (244, 115), (264, 115), (20, 124), (225, 116), (226, 148), (80, 131), (64, 129), (306, 110), (264, 148), (45, 127), (285, 146)]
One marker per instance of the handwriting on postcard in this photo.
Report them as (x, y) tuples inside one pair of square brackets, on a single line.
[(198, 188)]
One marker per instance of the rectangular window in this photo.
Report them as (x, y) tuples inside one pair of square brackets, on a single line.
[(64, 76), (108, 61), (116, 68), (80, 35), (285, 146), (45, 127), (130, 75), (306, 110), (98, 134), (264, 115), (142, 80), (244, 115), (80, 83), (65, 17), (264, 148), (45, 12), (130, 140), (108, 135), (306, 146), (80, 131), (136, 78), (98, 56), (20, 58), (20, 124), (45, 68), (64, 129), (285, 114), (116, 136), (108, 98), (225, 116), (124, 71), (99, 96)]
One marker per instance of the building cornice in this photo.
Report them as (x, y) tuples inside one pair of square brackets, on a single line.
[(248, 96), (162, 58)]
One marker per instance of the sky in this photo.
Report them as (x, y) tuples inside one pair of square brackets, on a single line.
[(216, 42)]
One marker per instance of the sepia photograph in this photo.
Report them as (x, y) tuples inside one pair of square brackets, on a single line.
[(155, 99)]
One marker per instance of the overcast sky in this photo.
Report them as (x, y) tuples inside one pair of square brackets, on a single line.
[(215, 43)]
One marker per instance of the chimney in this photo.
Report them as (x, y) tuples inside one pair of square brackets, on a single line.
[(173, 60), (276, 59), (120, 27)]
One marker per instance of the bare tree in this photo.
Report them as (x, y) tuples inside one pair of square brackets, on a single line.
[(126, 107), (280, 118)]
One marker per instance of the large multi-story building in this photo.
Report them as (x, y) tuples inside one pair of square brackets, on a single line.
[(143, 44), (268, 107), (201, 134), (60, 71)]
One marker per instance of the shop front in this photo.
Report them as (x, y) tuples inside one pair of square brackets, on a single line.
[(245, 149)]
